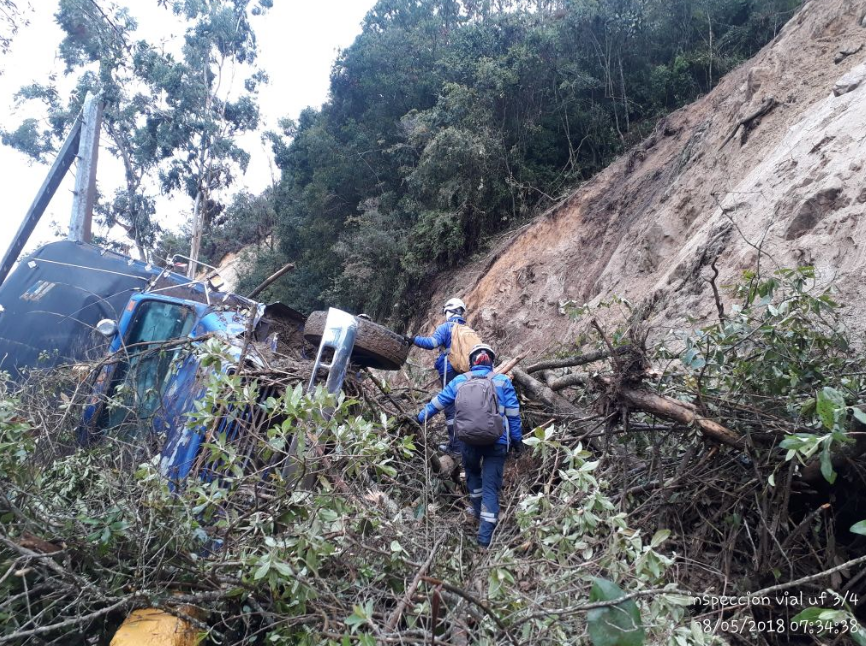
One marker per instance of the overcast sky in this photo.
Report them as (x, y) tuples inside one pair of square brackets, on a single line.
[(298, 42)]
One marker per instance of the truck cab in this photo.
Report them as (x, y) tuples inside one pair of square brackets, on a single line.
[(71, 302)]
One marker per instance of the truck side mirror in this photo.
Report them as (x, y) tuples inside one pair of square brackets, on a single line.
[(107, 328)]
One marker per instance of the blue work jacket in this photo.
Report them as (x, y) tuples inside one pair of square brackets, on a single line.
[(441, 339), (506, 397)]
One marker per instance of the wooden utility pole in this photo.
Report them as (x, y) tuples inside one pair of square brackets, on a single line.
[(85, 177)]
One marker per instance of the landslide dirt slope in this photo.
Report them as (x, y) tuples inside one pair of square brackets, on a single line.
[(651, 224)]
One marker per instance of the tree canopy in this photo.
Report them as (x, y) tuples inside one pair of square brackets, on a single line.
[(451, 120), (171, 117)]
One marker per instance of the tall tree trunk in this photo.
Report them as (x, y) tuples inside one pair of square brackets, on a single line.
[(197, 230), (624, 95), (710, 24)]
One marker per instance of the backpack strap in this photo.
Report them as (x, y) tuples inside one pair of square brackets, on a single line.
[(491, 376)]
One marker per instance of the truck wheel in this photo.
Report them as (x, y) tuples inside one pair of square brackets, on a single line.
[(375, 345)]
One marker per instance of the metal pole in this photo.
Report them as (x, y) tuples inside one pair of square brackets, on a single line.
[(43, 197), (85, 177)]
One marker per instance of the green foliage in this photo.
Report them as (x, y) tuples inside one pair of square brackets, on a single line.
[(16, 439), (166, 118), (11, 18), (267, 539), (616, 625), (125, 529), (449, 121), (775, 352), (576, 523)]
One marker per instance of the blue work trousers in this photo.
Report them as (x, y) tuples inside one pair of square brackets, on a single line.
[(484, 466)]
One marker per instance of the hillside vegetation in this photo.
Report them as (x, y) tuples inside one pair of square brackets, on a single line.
[(450, 121)]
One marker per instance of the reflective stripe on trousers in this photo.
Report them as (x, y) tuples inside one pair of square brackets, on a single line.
[(484, 466)]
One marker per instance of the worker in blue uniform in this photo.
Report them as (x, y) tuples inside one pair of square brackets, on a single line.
[(455, 314), (484, 465)]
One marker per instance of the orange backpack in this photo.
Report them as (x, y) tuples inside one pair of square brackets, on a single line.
[(463, 339)]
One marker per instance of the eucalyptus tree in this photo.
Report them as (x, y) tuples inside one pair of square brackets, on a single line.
[(168, 115), (11, 19), (97, 51), (204, 111)]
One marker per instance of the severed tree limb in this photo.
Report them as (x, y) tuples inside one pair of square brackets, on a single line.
[(17, 636), (508, 366), (578, 360), (766, 105), (394, 619), (611, 350), (538, 391), (678, 411), (460, 592), (571, 610), (576, 379), (720, 308), (806, 579), (270, 279), (554, 401), (804, 525)]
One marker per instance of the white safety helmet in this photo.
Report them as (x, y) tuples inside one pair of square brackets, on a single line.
[(481, 347), (454, 305)]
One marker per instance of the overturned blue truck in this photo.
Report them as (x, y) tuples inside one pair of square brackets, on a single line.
[(137, 326)]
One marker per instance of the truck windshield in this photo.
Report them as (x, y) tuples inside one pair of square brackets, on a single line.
[(140, 379)]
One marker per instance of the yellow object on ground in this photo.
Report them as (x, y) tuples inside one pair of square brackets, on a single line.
[(153, 627)]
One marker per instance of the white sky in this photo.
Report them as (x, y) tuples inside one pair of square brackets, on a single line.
[(298, 41)]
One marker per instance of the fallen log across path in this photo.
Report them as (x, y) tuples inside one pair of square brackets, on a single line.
[(675, 410)]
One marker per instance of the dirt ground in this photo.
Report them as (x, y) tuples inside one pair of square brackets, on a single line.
[(786, 188)]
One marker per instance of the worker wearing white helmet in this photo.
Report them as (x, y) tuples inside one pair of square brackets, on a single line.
[(455, 313), (483, 462)]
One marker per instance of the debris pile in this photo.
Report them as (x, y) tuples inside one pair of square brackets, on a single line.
[(657, 476)]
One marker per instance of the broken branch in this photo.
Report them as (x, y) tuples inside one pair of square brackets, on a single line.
[(766, 105), (578, 360), (422, 571), (538, 391), (508, 366), (576, 379), (678, 411), (270, 279)]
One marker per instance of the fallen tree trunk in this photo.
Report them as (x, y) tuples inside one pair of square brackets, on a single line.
[(576, 379), (578, 360), (675, 410), (538, 391)]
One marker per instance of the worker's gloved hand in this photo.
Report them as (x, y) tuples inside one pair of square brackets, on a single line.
[(517, 448), (408, 340)]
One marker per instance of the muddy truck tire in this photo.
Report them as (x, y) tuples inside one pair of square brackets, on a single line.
[(375, 345)]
